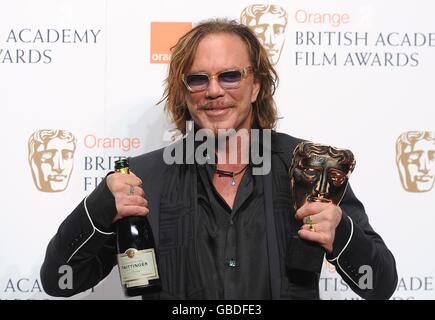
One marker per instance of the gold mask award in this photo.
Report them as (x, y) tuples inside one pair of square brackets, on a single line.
[(318, 173)]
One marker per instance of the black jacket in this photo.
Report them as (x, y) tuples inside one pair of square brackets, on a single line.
[(85, 240)]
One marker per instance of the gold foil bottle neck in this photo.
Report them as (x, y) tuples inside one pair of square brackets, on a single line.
[(123, 170), (122, 166)]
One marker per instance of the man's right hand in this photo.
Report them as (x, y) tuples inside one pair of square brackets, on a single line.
[(127, 204)]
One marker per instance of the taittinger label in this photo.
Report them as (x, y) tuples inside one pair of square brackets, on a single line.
[(137, 267)]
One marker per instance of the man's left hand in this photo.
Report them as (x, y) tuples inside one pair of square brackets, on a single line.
[(320, 221)]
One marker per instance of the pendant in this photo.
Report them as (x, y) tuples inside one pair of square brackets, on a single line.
[(233, 181)]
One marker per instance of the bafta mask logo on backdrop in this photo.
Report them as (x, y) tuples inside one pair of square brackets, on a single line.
[(165, 35), (51, 158), (268, 22), (415, 158)]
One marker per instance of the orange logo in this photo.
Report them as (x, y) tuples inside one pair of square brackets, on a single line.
[(165, 35)]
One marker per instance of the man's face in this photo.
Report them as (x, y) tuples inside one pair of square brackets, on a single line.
[(419, 163), (269, 29), (319, 178), (52, 165), (218, 108)]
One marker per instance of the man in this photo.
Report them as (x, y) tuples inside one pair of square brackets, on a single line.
[(415, 158), (223, 232), (51, 159), (268, 22)]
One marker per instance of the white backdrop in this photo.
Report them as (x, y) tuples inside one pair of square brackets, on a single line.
[(95, 69)]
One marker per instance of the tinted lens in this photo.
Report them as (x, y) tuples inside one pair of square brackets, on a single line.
[(230, 78), (197, 81)]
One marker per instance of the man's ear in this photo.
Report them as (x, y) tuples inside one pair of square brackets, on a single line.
[(256, 89)]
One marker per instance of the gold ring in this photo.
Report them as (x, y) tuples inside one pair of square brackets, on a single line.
[(309, 220), (131, 191)]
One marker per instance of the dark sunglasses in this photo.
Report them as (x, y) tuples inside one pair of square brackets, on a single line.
[(227, 79)]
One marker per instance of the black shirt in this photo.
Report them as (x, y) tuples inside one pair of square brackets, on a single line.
[(232, 244)]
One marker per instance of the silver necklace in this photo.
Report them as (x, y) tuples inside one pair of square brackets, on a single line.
[(231, 174)]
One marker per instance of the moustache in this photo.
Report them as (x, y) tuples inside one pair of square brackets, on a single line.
[(214, 105)]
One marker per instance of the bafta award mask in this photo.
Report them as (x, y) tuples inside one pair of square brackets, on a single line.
[(51, 158), (319, 173), (415, 158), (268, 22)]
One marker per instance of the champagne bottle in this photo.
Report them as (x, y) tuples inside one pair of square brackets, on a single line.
[(136, 251)]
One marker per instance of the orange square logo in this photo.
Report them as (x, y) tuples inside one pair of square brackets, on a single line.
[(165, 35)]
